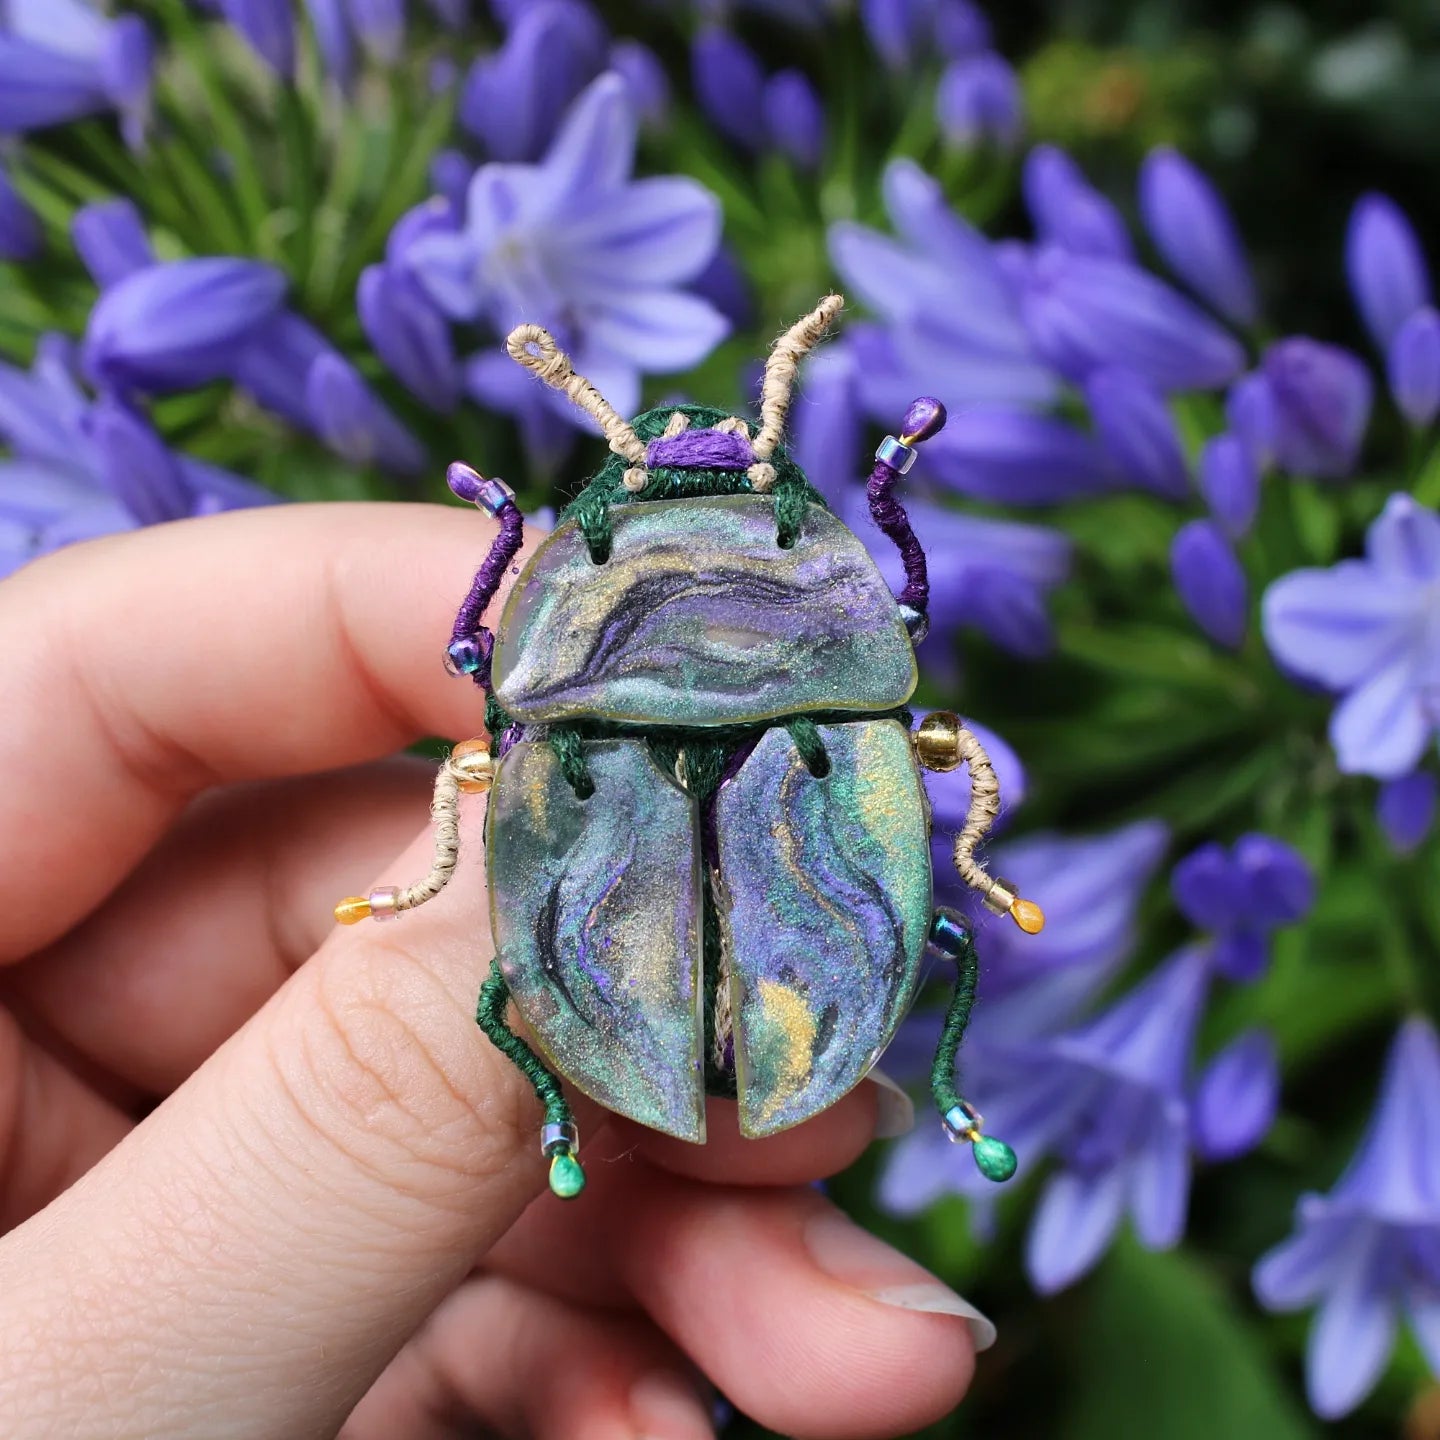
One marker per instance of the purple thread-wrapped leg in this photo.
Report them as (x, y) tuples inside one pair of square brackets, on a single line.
[(924, 418), (471, 644)]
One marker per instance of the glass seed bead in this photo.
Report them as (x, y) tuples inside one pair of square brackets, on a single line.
[(925, 418), (559, 1133), (494, 496), (962, 1122), (948, 934), (937, 741), (896, 454), (469, 654), (917, 624), (567, 1179), (994, 1159), (384, 902)]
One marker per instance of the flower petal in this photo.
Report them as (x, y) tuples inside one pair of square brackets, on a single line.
[(1299, 1270), (1159, 1175), (1386, 266), (1381, 728), (1405, 809), (656, 330), (1404, 543), (1354, 1332), (1236, 1097), (1074, 1223), (663, 233), (1211, 582)]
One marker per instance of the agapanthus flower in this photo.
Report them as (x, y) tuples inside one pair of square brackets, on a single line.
[(515, 99), (80, 467), (1386, 266), (645, 78), (1368, 1252), (268, 27), (1369, 630), (1211, 582), (795, 118), (1230, 483), (1241, 896), (20, 235), (729, 84), (577, 244), (1405, 809), (1138, 432), (979, 101), (1068, 211), (1319, 406), (1196, 234), (1236, 1097), (903, 30), (1413, 367), (64, 59)]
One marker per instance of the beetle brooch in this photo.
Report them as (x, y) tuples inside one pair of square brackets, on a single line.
[(708, 840)]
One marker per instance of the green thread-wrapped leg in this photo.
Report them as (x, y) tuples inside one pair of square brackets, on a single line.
[(560, 1139), (993, 1157)]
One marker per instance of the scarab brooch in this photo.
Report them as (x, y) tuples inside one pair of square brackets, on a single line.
[(708, 840)]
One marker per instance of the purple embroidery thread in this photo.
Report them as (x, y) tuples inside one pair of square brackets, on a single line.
[(487, 582), (889, 514)]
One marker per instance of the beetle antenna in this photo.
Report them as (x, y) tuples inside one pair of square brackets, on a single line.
[(534, 347), (785, 355)]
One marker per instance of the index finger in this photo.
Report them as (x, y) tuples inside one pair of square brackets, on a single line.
[(146, 667)]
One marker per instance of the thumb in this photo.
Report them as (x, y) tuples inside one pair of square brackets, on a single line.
[(249, 1259)]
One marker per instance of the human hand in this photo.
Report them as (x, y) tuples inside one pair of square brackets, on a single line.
[(329, 1213)]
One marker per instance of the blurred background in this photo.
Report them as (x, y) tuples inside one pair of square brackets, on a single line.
[(1168, 266)]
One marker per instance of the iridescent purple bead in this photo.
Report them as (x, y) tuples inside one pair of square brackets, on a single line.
[(469, 484), (948, 934), (470, 654), (924, 419)]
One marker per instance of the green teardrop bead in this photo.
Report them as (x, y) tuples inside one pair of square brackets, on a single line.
[(567, 1179), (994, 1159)]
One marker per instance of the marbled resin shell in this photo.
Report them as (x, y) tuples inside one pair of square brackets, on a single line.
[(596, 910), (700, 618), (824, 900)]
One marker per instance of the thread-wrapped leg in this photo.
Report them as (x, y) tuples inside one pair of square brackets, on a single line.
[(993, 1157), (560, 1139)]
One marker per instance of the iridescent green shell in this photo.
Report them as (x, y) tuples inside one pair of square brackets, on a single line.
[(824, 903), (700, 618)]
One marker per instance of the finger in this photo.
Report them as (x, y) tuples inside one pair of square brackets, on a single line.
[(531, 1367), (828, 1331), (53, 1127), (332, 659), (262, 1245), (215, 918)]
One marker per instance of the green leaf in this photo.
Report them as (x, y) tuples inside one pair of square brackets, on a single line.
[(1164, 1352)]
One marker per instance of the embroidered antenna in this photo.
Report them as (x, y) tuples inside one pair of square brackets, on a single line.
[(534, 347), (785, 356)]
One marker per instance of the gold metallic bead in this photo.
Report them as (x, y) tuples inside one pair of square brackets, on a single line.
[(937, 741), (352, 910), (472, 762)]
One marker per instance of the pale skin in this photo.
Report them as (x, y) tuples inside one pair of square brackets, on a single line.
[(336, 1220)]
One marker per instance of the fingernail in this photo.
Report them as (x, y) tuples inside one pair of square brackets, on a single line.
[(894, 1109), (855, 1257), (666, 1406)]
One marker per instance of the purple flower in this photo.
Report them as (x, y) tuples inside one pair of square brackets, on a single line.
[(961, 28), (1369, 1252), (178, 325), (1250, 412), (897, 28), (111, 240), (1138, 432), (1241, 896), (1211, 582), (20, 234), (346, 415), (81, 468), (515, 100), (952, 323), (1414, 367), (724, 284), (1194, 231), (408, 332), (645, 78), (1386, 265), (269, 28), (331, 27), (1068, 211), (1085, 312), (379, 25), (1320, 395), (61, 60), (1405, 809), (576, 244), (1370, 630), (1014, 457), (795, 118), (1230, 482), (730, 87), (1236, 1097), (979, 101)]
